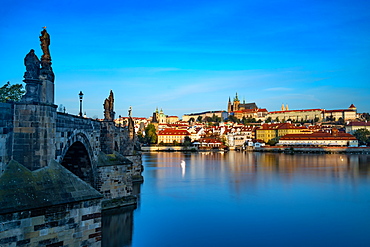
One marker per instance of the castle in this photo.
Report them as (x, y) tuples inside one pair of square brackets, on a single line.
[(236, 106)]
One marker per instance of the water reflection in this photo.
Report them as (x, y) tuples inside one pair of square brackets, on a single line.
[(217, 198), (117, 224), (117, 227)]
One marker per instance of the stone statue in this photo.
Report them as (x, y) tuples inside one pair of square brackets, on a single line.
[(129, 111), (45, 42), (32, 63), (108, 107), (46, 71)]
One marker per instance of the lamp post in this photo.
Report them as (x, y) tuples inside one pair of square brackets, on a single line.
[(80, 96)]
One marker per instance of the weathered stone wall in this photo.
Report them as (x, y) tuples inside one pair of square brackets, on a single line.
[(137, 167), (34, 134), (115, 180), (127, 145), (6, 133), (108, 137), (72, 224), (47, 207), (68, 126)]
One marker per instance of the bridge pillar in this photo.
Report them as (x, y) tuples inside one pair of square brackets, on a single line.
[(35, 115)]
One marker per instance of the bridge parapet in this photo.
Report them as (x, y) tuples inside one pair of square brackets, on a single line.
[(6, 133)]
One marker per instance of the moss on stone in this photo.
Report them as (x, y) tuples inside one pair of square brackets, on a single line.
[(21, 189), (112, 159)]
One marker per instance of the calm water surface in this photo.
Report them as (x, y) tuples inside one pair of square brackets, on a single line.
[(247, 199)]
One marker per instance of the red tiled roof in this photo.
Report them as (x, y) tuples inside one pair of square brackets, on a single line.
[(173, 132), (209, 140), (319, 136), (281, 126), (359, 124), (272, 112)]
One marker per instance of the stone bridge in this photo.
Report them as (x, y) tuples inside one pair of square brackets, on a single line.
[(53, 163)]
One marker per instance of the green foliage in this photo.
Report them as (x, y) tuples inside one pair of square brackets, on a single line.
[(187, 141), (150, 134), (140, 137), (272, 142), (268, 120), (340, 121), (11, 92), (366, 116), (363, 136), (216, 119), (199, 119), (232, 118)]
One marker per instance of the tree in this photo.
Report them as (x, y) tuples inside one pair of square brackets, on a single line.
[(11, 92), (363, 136), (187, 141), (272, 142), (244, 120), (141, 137), (150, 134), (268, 120), (199, 119), (340, 121), (233, 119), (366, 116)]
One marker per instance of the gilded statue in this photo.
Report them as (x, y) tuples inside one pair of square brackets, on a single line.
[(45, 42)]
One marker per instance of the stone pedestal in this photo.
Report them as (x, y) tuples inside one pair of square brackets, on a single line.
[(34, 134)]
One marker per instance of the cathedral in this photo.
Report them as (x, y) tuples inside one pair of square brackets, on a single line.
[(236, 106)]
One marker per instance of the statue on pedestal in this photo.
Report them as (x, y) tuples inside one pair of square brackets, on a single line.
[(32, 63), (108, 107), (45, 42), (46, 70)]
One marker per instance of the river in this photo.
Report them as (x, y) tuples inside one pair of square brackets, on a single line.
[(246, 199)]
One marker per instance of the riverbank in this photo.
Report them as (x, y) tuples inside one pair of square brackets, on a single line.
[(327, 150), (168, 149)]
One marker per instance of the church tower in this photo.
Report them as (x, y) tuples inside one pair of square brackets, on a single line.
[(236, 103), (229, 106)]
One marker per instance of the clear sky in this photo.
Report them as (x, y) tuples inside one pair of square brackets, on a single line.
[(191, 56)]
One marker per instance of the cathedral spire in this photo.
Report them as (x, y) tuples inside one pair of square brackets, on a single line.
[(236, 97)]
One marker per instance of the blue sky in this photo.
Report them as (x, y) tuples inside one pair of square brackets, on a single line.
[(190, 56)]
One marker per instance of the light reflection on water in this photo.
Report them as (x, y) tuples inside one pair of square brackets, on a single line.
[(250, 199)]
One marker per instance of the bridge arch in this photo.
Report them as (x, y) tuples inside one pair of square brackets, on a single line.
[(77, 156)]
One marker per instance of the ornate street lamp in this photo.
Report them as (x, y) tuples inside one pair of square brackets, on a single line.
[(81, 96)]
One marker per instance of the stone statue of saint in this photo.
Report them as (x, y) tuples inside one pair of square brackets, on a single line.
[(45, 42), (108, 107), (32, 63), (129, 111)]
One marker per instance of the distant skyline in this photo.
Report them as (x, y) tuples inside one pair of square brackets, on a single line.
[(191, 56)]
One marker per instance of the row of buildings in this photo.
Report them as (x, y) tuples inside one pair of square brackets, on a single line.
[(235, 135), (277, 127), (251, 110)]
